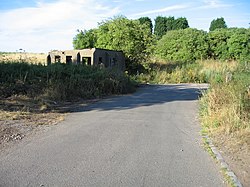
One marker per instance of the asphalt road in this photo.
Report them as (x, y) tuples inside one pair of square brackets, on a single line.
[(150, 138)]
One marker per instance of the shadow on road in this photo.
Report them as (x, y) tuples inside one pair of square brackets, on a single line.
[(148, 95)]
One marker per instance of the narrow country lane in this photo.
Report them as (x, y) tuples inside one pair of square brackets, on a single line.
[(149, 138)]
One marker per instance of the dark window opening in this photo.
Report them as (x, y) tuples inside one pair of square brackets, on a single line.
[(86, 61), (68, 59), (114, 62), (57, 59), (106, 63), (100, 60)]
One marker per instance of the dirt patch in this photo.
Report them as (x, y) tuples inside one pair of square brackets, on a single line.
[(13, 130), (21, 116), (236, 153)]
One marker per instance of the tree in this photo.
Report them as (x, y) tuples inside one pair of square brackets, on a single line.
[(160, 26), (127, 35), (148, 22), (232, 43), (180, 23), (183, 45), (165, 24), (85, 39), (169, 22), (217, 40), (218, 23), (239, 44)]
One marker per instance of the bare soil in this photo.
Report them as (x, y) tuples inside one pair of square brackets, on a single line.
[(236, 153), (13, 130), (21, 116)]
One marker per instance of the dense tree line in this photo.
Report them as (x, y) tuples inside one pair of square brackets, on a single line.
[(192, 44), (172, 39), (165, 24)]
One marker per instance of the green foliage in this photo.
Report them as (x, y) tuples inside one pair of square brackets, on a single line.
[(126, 35), (180, 23), (183, 45), (172, 41), (85, 39), (218, 43), (165, 24), (133, 37), (192, 44), (239, 44), (160, 26), (218, 23), (61, 81), (229, 44), (174, 72), (148, 22)]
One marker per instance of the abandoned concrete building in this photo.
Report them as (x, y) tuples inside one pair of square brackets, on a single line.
[(94, 56)]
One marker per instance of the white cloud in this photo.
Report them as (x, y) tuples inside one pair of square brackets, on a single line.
[(214, 4), (50, 25), (162, 10)]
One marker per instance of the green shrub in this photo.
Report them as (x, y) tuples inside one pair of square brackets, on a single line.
[(61, 81), (184, 45), (229, 44)]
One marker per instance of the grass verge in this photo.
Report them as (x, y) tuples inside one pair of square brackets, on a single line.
[(225, 116)]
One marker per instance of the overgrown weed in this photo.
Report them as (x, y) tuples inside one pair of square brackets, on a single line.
[(225, 108), (61, 81)]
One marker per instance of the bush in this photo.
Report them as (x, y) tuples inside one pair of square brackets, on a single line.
[(61, 81), (183, 45), (229, 44)]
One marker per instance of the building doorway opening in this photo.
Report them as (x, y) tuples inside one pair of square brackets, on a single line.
[(107, 59), (78, 58), (48, 60), (68, 59)]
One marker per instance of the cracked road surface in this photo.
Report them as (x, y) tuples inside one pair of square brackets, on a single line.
[(149, 138)]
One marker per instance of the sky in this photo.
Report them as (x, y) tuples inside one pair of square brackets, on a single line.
[(45, 25)]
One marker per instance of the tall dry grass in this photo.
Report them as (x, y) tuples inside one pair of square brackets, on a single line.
[(202, 71), (31, 58), (225, 108)]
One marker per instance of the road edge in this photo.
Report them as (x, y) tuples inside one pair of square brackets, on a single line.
[(228, 173)]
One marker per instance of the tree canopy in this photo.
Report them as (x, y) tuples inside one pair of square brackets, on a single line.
[(165, 24), (218, 23), (119, 33), (85, 39), (172, 40), (124, 34), (148, 22), (183, 45), (232, 43)]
